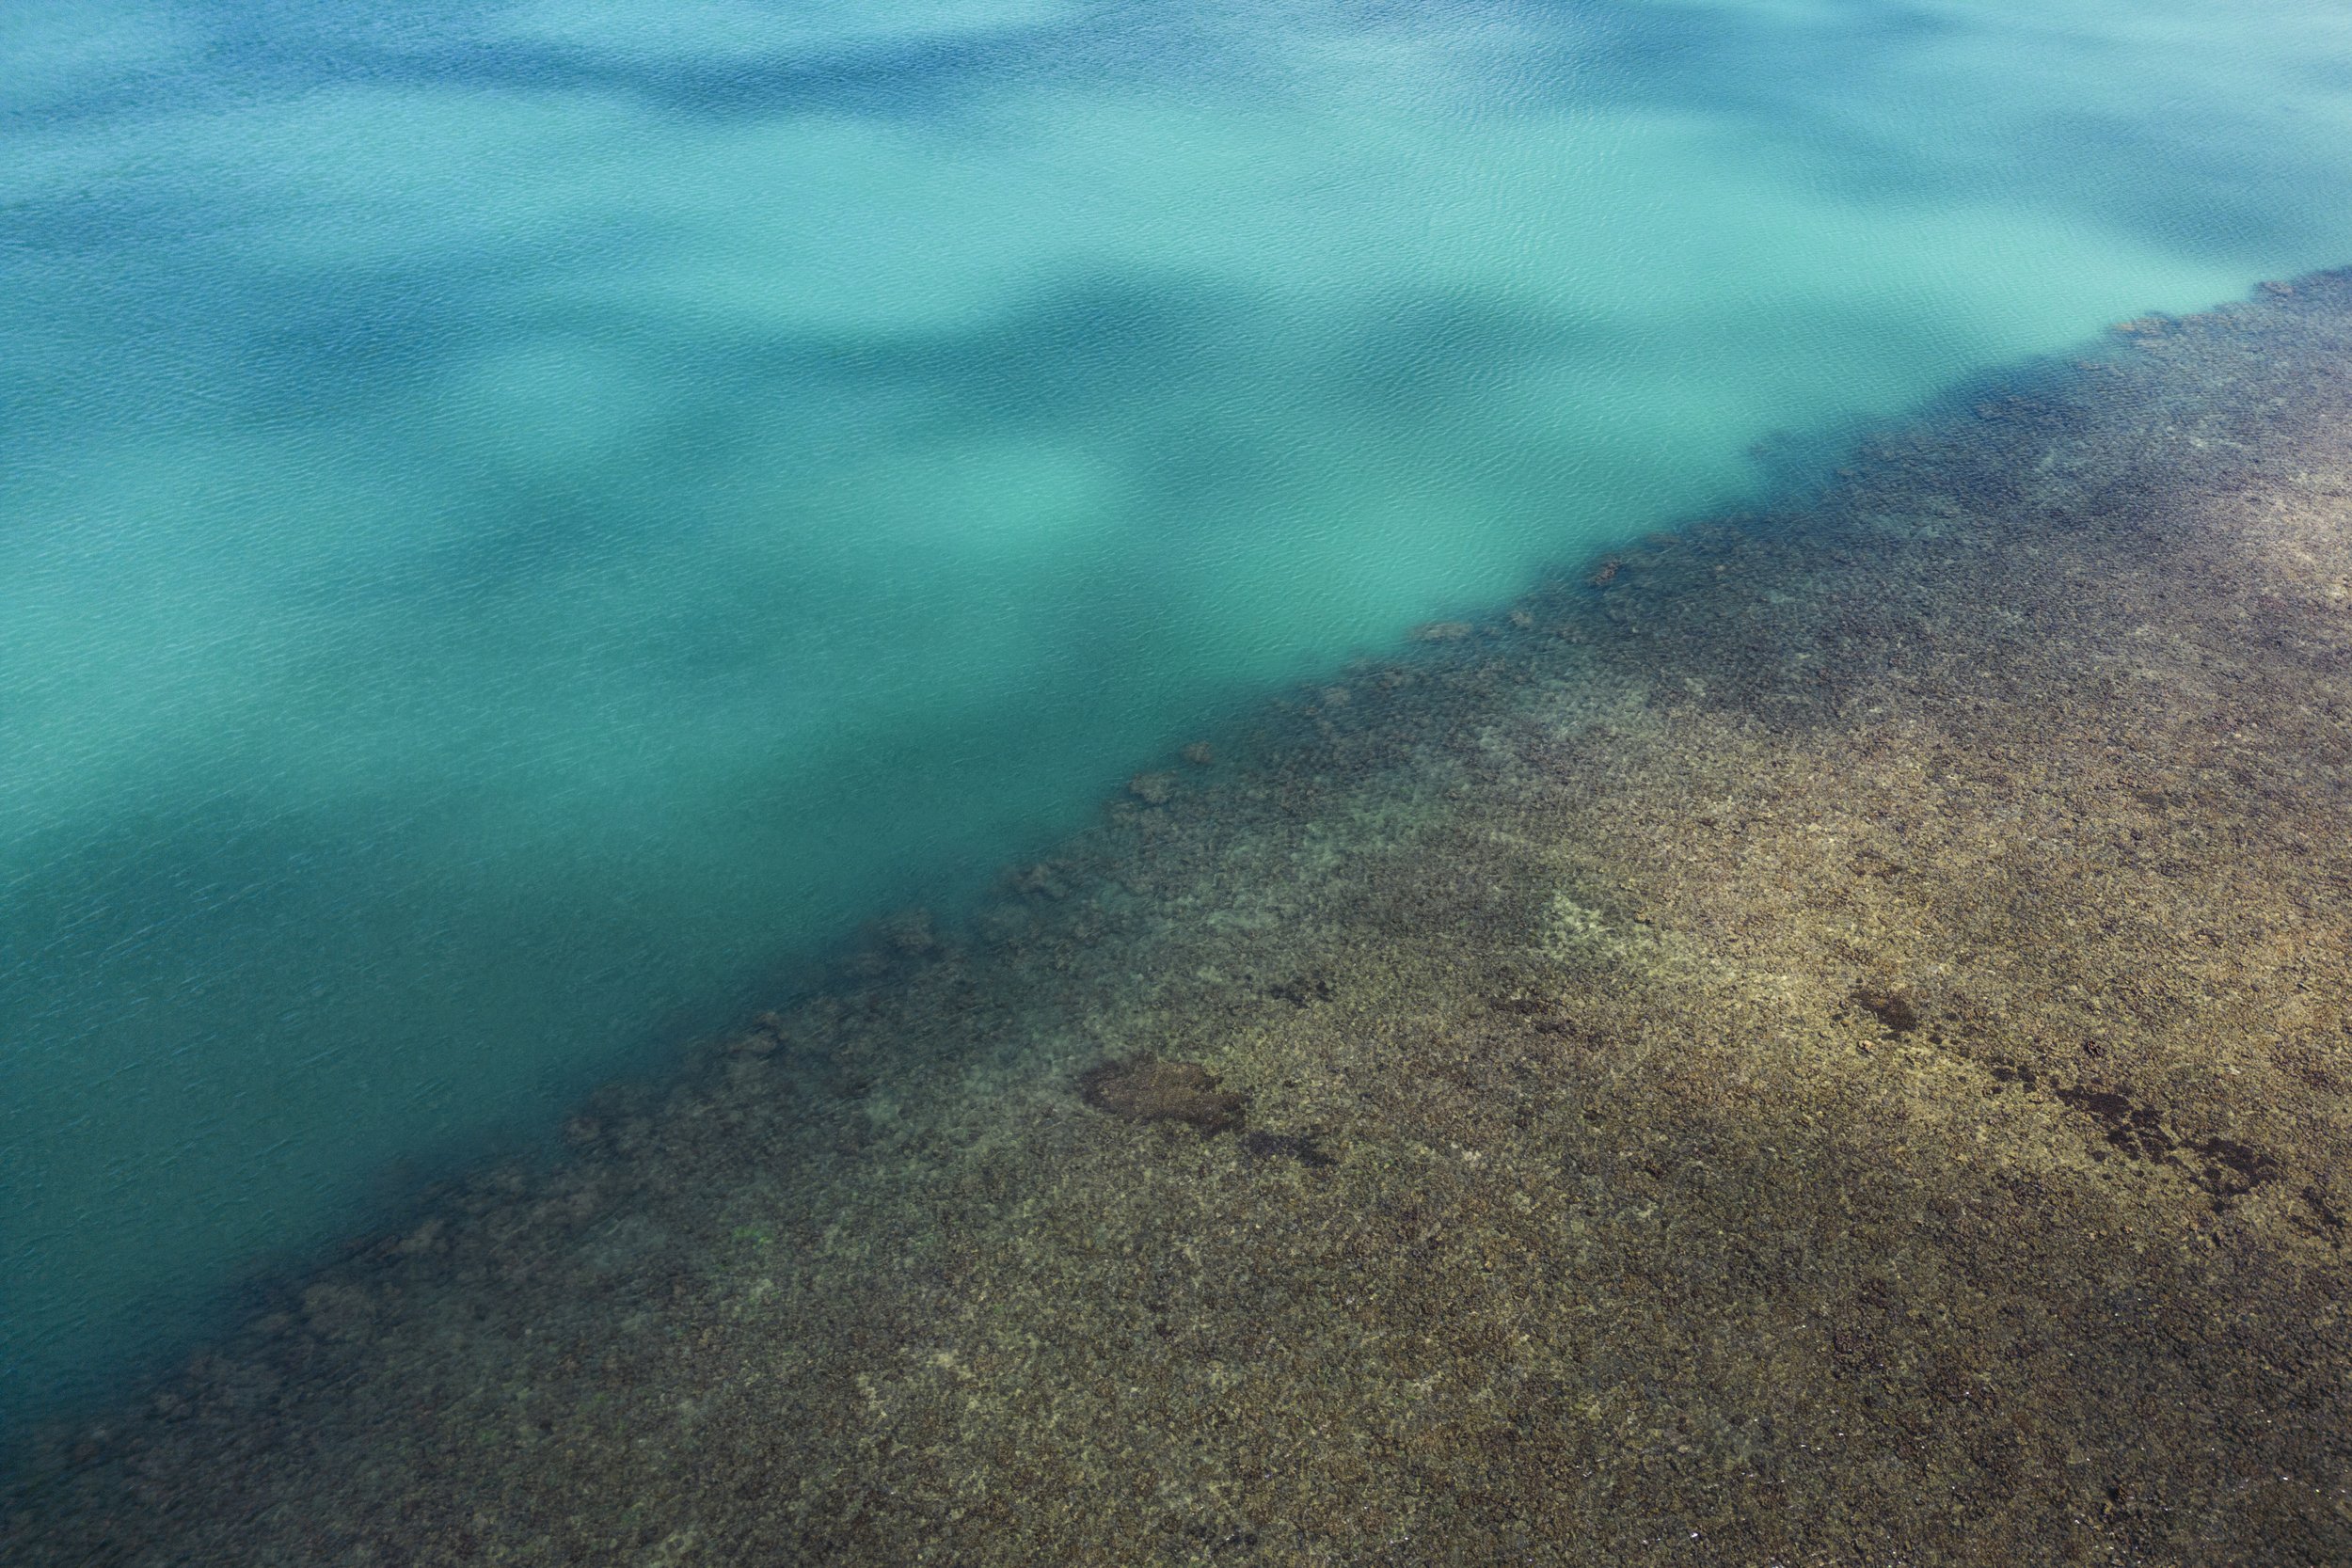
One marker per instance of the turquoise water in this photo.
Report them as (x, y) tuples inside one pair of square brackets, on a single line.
[(519, 523)]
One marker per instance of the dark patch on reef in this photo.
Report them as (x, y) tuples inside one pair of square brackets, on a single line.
[(1305, 992), (2224, 1167), (2324, 1218), (1297, 1147), (1144, 1088), (1891, 1008)]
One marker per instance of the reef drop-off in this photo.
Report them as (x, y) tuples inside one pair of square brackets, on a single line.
[(1828, 1039)]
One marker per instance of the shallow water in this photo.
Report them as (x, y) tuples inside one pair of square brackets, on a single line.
[(519, 523)]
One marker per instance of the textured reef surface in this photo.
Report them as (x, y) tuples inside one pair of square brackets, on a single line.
[(1824, 1038)]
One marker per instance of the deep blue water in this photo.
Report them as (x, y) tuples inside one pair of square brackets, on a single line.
[(520, 522)]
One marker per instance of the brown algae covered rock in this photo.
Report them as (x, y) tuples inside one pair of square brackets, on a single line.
[(1144, 1088)]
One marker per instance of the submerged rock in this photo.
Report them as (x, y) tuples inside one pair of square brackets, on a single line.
[(1144, 1088), (909, 931), (1300, 1147), (338, 1311), (1045, 880)]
